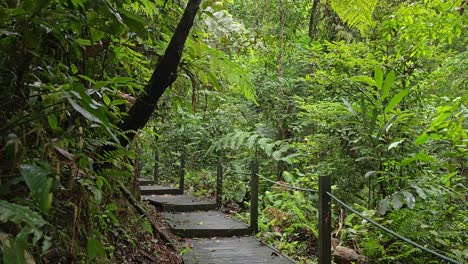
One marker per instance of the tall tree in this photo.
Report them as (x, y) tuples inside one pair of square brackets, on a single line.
[(163, 76)]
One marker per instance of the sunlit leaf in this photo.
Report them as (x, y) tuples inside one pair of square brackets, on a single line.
[(39, 184), (95, 250), (389, 81), (396, 100), (378, 76), (395, 144)]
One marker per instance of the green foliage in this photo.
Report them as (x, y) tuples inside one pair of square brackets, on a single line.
[(383, 112), (95, 250), (39, 184), (355, 13), (29, 223)]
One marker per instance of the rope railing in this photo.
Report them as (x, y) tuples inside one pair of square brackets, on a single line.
[(274, 182), (325, 199), (393, 233), (236, 171), (288, 186)]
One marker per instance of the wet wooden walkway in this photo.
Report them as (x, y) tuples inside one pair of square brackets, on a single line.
[(211, 237)]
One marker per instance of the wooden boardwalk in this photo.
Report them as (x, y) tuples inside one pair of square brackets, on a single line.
[(211, 237)]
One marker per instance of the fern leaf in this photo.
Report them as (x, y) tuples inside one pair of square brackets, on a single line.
[(147, 226), (356, 13)]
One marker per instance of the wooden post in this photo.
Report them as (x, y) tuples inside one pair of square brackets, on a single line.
[(219, 183), (254, 197), (156, 166), (324, 220), (182, 173)]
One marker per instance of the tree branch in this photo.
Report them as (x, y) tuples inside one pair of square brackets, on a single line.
[(163, 76)]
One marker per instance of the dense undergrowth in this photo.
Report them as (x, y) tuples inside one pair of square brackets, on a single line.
[(380, 107), (373, 96)]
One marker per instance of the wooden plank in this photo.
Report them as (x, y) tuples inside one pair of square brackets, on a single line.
[(205, 224), (180, 203), (143, 181), (233, 250), (158, 190)]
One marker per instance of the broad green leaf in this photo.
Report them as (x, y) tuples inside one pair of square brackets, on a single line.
[(363, 79), (83, 42), (417, 157), (389, 81), (22, 215), (396, 100), (85, 113), (421, 139), (378, 76), (78, 3), (14, 250), (74, 68), (95, 250), (39, 184), (446, 178), (134, 21), (52, 120), (289, 159), (106, 99)]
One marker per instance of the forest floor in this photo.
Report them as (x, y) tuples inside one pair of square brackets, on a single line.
[(148, 249)]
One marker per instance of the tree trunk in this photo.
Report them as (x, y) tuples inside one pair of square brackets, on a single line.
[(163, 76), (313, 22)]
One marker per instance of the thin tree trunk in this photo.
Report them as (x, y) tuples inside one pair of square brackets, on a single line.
[(281, 43), (163, 76), (282, 124), (313, 22)]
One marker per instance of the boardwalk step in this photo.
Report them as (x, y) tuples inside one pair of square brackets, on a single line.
[(158, 190), (143, 181), (180, 203), (233, 250), (205, 224)]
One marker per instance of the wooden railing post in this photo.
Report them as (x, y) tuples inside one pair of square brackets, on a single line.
[(324, 220), (254, 197), (156, 166), (219, 183), (182, 173)]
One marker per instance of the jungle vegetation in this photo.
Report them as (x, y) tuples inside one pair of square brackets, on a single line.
[(371, 93)]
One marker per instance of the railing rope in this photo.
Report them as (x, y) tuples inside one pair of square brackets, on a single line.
[(392, 232), (324, 207)]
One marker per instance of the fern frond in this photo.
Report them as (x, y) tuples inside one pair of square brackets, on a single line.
[(356, 13), (146, 225)]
